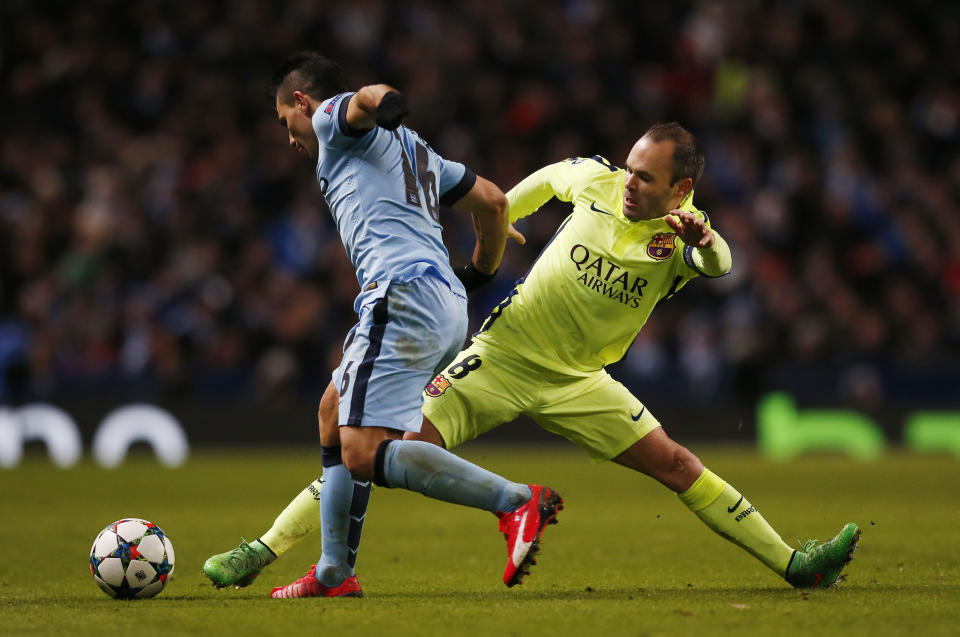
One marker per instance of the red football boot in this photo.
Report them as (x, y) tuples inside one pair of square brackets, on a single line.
[(522, 529), (308, 586)]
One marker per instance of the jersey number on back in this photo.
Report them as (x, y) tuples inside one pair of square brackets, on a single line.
[(428, 181)]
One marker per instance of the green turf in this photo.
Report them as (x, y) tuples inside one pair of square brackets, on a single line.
[(627, 558)]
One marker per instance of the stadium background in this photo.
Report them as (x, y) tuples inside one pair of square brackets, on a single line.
[(160, 243)]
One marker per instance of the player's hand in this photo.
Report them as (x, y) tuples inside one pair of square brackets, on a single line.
[(513, 233), (391, 110), (472, 278), (691, 229)]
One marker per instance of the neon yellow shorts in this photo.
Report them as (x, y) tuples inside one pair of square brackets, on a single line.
[(484, 388)]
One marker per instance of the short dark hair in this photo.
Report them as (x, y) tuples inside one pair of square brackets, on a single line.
[(688, 159), (314, 74)]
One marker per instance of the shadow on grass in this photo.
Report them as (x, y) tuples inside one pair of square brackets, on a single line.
[(518, 597), (661, 594)]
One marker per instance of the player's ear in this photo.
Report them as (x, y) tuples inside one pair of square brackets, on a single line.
[(682, 187), (301, 102)]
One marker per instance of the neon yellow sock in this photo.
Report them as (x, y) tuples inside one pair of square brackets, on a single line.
[(729, 514), (296, 521)]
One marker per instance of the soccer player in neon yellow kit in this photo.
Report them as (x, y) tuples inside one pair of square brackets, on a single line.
[(634, 238)]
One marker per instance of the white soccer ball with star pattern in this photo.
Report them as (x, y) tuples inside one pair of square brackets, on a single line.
[(131, 559)]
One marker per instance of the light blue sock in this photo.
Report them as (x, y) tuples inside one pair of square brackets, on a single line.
[(343, 507), (439, 474)]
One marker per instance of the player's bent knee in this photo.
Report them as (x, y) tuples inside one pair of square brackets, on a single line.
[(358, 463), (359, 448), (676, 458), (686, 459), (685, 470)]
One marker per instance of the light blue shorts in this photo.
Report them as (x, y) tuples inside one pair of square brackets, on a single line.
[(403, 339)]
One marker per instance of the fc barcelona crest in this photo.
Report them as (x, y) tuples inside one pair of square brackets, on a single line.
[(437, 386), (661, 246)]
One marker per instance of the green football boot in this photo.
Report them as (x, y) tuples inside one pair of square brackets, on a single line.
[(238, 567), (818, 565)]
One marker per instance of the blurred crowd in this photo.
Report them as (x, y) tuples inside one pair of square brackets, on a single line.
[(159, 240)]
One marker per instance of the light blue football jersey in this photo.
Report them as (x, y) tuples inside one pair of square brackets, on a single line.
[(384, 189)]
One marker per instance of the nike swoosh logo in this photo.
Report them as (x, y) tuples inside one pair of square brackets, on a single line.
[(521, 548), (637, 417), (734, 507), (593, 206)]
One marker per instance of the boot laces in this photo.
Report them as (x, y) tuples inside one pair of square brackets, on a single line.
[(241, 556), (806, 547)]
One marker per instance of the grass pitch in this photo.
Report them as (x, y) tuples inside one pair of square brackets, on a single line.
[(627, 557)]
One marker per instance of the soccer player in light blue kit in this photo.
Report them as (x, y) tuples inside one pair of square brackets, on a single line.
[(384, 186)]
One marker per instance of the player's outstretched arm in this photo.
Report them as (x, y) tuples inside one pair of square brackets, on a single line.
[(487, 205), (376, 105), (535, 190)]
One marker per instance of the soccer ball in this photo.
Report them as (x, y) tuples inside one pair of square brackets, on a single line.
[(131, 558)]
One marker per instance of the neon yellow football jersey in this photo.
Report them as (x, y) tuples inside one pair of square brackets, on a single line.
[(592, 288)]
